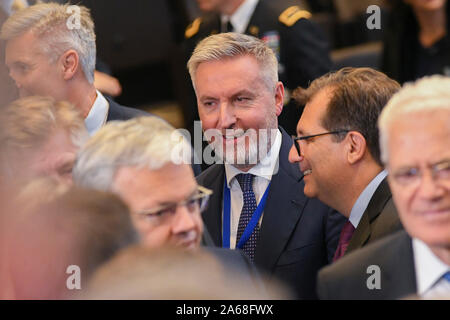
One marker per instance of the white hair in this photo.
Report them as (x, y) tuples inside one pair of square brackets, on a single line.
[(428, 94), (230, 45), (58, 31), (144, 142)]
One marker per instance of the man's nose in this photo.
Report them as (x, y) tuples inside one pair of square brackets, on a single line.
[(293, 155), (227, 116), (429, 188), (184, 220)]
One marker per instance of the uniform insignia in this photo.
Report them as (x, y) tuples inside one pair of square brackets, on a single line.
[(193, 28), (272, 40), (292, 14), (254, 30)]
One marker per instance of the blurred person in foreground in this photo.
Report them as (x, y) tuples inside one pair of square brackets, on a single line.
[(59, 235), (39, 136), (146, 162), (414, 140), (174, 274)]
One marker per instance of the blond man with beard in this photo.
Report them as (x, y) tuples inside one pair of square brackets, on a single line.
[(258, 203)]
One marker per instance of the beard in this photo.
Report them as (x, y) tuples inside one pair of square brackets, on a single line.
[(241, 148)]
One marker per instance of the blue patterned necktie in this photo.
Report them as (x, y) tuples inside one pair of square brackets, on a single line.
[(245, 181), (446, 276)]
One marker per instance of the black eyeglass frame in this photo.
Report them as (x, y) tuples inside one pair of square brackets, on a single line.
[(296, 139)]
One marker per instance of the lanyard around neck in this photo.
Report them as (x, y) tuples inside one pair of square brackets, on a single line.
[(227, 217)]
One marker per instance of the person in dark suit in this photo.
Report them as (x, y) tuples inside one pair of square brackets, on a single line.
[(131, 158), (58, 63), (337, 149), (416, 40), (416, 261), (257, 203), (299, 44)]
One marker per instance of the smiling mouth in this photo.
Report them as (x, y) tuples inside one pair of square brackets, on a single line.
[(236, 135), (307, 172)]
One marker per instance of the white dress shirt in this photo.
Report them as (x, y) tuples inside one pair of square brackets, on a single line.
[(364, 198), (241, 17), (98, 114), (263, 175), (429, 272)]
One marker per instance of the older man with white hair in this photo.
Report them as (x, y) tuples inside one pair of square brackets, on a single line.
[(415, 140), (146, 162)]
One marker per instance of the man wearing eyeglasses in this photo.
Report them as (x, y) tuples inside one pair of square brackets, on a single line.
[(147, 163), (415, 140), (136, 159), (338, 151)]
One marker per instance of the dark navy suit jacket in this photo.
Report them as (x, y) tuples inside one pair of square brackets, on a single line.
[(298, 235), (118, 112)]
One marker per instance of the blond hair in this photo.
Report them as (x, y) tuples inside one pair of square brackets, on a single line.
[(29, 122), (231, 45), (58, 31)]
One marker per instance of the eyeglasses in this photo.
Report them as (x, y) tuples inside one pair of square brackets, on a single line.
[(298, 139), (440, 172), (196, 203)]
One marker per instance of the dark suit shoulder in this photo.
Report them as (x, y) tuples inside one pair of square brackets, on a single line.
[(348, 277), (209, 176), (119, 112)]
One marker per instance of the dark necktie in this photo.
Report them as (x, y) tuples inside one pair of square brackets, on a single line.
[(245, 181), (227, 27), (344, 239)]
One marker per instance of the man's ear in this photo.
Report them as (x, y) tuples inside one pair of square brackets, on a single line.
[(356, 146), (70, 62), (279, 98)]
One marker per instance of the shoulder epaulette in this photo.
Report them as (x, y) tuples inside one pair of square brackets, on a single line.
[(292, 14), (193, 28)]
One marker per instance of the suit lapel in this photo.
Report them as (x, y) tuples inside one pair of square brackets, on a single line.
[(212, 216), (283, 209), (399, 276), (375, 207)]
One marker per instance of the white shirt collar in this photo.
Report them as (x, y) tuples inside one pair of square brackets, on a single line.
[(98, 114), (429, 268), (265, 168), (241, 17), (364, 198)]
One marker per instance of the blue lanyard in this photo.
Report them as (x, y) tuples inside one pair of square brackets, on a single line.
[(226, 217)]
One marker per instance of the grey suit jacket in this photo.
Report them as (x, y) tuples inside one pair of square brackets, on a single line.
[(347, 278), (298, 235), (379, 219)]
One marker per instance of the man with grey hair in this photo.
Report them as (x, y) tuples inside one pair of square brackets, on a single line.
[(50, 51), (39, 136), (258, 203), (146, 162), (415, 140)]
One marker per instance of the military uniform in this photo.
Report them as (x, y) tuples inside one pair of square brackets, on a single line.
[(299, 44)]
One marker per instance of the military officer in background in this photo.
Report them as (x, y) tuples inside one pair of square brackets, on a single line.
[(299, 44)]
